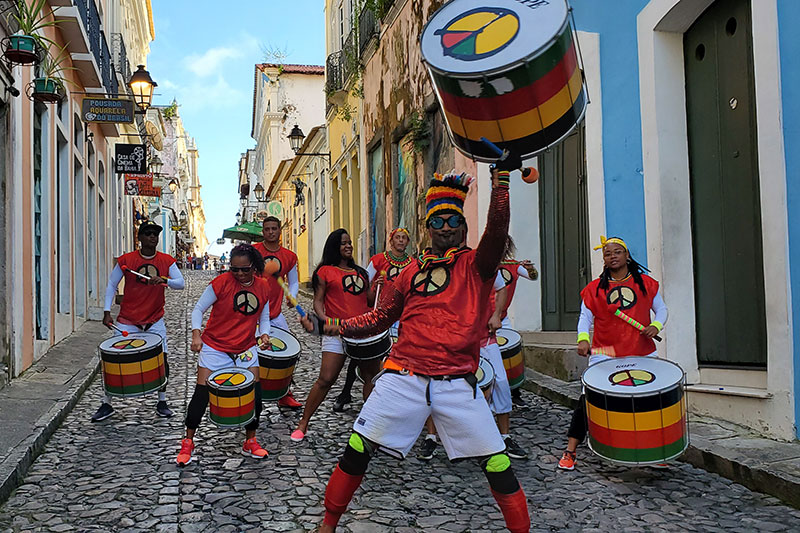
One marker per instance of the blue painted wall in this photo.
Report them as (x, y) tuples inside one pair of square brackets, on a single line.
[(788, 16), (622, 126)]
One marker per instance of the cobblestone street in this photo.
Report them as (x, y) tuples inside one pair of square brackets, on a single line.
[(120, 475)]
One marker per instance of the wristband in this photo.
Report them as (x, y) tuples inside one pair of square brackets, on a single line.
[(333, 322), (503, 178), (658, 325), (583, 336)]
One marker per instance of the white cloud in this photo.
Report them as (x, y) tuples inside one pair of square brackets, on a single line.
[(210, 62)]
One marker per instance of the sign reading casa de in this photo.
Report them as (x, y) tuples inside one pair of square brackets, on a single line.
[(130, 159), (115, 110)]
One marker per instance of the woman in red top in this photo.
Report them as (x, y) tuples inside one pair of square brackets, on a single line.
[(341, 290), (239, 300)]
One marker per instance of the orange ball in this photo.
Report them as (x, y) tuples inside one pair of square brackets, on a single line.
[(271, 268), (532, 177)]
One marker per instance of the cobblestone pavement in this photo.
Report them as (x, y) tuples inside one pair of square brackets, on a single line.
[(120, 475)]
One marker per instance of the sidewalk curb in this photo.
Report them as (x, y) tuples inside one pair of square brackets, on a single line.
[(14, 467), (701, 453)]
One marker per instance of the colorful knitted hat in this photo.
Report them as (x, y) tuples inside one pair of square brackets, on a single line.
[(446, 194)]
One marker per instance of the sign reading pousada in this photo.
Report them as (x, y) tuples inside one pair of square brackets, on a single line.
[(116, 110)]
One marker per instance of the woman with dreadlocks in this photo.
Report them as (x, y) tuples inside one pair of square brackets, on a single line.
[(622, 285)]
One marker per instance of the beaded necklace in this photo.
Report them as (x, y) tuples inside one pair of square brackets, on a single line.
[(428, 258), (400, 262)]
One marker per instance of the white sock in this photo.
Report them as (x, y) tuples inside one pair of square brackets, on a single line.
[(431, 436), (107, 399), (505, 436), (162, 396)]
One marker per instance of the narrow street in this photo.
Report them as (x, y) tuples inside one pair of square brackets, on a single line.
[(120, 475)]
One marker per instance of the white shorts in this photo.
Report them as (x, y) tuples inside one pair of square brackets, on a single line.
[(596, 358), (506, 323), (158, 327), (333, 344), (215, 360), (396, 410), (500, 401)]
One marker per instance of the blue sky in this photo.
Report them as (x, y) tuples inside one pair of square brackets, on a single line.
[(203, 55)]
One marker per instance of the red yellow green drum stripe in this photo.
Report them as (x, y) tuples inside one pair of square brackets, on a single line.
[(134, 378), (645, 455), (515, 367), (232, 411)]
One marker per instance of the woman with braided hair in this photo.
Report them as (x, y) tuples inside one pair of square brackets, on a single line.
[(622, 285)]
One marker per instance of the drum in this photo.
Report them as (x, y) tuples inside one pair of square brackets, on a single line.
[(368, 348), (276, 363), (636, 410), (360, 378), (508, 72), (133, 365), (485, 375), (231, 397), (510, 343)]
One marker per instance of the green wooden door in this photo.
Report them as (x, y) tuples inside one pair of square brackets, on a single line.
[(564, 231), (724, 187)]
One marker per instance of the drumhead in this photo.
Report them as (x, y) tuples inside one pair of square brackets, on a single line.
[(470, 37), (132, 344), (231, 378), (632, 375), (485, 373), (366, 340), (508, 338), (282, 344)]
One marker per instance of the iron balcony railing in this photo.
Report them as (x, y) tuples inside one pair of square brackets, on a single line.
[(119, 58), (334, 81), (349, 56), (368, 27), (107, 67)]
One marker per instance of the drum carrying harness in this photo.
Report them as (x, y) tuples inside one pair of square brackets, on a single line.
[(391, 367)]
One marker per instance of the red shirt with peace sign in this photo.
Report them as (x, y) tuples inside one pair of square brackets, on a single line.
[(345, 291), (612, 332), (287, 260), (143, 303), (231, 328)]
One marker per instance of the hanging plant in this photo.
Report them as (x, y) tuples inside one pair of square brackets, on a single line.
[(27, 46), (50, 85)]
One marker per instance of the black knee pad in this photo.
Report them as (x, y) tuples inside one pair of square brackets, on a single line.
[(166, 365), (356, 455), (259, 405), (499, 473), (197, 406)]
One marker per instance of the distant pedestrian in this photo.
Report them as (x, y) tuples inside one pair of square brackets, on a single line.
[(622, 285), (142, 307)]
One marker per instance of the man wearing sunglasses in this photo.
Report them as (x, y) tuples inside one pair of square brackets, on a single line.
[(440, 300), (147, 273)]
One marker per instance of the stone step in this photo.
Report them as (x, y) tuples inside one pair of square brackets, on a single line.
[(553, 353)]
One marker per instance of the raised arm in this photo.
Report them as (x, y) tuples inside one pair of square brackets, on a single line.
[(493, 242)]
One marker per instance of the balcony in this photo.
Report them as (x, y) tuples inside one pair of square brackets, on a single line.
[(79, 23), (368, 28), (119, 58), (334, 82), (349, 56)]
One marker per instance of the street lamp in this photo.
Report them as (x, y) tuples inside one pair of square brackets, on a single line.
[(182, 217), (258, 190), (173, 186), (142, 86), (296, 137), (156, 165)]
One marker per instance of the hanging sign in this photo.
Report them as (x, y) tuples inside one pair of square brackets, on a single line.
[(220, 241), (130, 159), (113, 110), (275, 209), (136, 185)]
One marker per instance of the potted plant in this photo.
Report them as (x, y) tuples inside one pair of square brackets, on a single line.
[(49, 86), (26, 46)]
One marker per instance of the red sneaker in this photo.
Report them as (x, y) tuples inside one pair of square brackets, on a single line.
[(290, 402), (253, 449), (567, 461), (185, 455)]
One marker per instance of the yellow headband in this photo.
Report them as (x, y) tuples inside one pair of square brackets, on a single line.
[(612, 240)]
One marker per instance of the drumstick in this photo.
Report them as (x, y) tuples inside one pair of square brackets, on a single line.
[(124, 333), (148, 278), (619, 314), (292, 299), (502, 154), (378, 291)]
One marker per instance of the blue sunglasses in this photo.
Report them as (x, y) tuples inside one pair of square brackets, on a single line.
[(439, 222)]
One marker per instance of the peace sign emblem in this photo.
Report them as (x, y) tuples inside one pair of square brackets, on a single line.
[(353, 284), (148, 270), (624, 296), (430, 282), (245, 302), (268, 260), (392, 272), (506, 275)]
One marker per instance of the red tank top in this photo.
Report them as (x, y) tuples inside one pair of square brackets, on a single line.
[(143, 303), (345, 292), (231, 328), (612, 335), (444, 316), (286, 260)]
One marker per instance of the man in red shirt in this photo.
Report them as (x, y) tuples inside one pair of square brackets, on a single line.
[(439, 300), (283, 263), (142, 307)]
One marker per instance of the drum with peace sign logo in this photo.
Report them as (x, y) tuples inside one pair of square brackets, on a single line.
[(276, 363), (133, 365)]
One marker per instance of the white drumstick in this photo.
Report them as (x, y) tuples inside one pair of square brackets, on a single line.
[(378, 290)]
